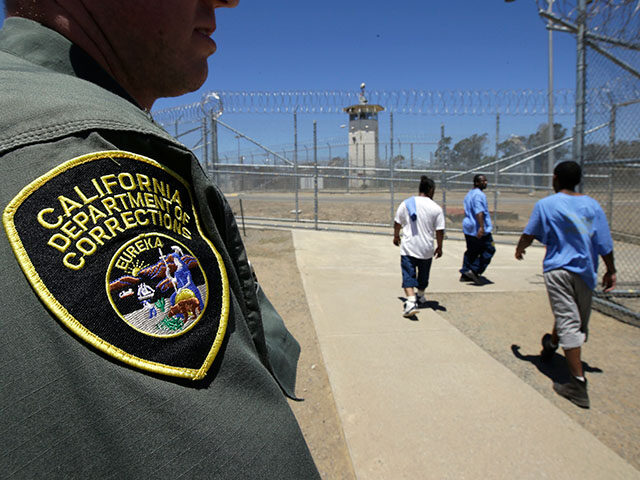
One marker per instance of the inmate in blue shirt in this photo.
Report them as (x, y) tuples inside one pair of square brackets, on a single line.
[(475, 202), (575, 231)]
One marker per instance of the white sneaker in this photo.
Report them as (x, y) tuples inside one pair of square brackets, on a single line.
[(410, 309)]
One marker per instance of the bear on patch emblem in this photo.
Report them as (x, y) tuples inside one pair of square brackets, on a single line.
[(112, 244), (156, 285)]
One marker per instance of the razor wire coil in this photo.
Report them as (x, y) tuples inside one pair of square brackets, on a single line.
[(411, 101)]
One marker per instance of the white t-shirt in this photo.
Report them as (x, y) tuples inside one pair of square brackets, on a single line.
[(417, 238)]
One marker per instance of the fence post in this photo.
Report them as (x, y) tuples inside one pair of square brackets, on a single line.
[(612, 156), (364, 165), (391, 185), (205, 149), (496, 172), (550, 132), (214, 147), (411, 156), (244, 229), (580, 88), (443, 179), (315, 173), (295, 162)]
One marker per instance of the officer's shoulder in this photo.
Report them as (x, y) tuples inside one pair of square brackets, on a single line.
[(38, 103)]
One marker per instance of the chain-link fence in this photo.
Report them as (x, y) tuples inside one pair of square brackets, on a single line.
[(318, 175), (320, 179), (608, 128)]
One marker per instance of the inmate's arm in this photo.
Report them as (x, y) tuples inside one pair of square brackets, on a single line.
[(480, 219), (396, 233), (523, 243), (439, 240), (609, 277)]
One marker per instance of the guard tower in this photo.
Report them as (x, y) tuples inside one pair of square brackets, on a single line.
[(363, 139)]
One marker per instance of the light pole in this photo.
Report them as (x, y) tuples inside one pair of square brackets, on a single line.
[(551, 154)]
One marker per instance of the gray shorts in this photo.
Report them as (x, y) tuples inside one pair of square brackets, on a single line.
[(570, 300)]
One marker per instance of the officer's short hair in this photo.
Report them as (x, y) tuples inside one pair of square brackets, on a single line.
[(426, 185), (568, 173)]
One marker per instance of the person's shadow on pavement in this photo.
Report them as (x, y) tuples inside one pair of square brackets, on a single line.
[(432, 304), (555, 368), (483, 281)]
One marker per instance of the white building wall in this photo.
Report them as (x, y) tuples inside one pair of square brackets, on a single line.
[(363, 153)]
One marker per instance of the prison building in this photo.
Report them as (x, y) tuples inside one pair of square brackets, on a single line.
[(363, 141)]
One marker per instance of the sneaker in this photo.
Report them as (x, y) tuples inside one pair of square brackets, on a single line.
[(410, 309), (473, 276), (465, 278), (575, 391), (421, 301), (548, 350)]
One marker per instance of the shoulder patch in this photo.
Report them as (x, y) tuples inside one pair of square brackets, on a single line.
[(111, 242)]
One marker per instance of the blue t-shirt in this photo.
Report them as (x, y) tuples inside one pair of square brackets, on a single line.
[(574, 228), (475, 202)]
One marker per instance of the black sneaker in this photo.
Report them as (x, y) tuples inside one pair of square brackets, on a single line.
[(464, 278), (575, 391), (548, 350), (474, 277)]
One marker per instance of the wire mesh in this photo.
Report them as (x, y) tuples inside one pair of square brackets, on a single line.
[(613, 153)]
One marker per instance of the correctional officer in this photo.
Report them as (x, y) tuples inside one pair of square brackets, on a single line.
[(134, 341)]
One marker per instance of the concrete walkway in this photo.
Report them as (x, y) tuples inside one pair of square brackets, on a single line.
[(418, 399)]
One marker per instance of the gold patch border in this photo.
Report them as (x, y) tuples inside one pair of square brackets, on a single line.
[(67, 319)]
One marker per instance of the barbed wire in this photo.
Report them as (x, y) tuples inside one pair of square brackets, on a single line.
[(619, 19), (419, 102)]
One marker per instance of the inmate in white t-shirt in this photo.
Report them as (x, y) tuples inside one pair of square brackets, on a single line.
[(417, 239)]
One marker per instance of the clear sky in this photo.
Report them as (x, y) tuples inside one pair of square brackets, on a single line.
[(410, 44), (390, 45), (419, 44)]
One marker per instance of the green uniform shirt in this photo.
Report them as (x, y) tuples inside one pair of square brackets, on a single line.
[(134, 344)]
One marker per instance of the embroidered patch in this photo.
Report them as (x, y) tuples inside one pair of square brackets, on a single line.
[(158, 294), (112, 244)]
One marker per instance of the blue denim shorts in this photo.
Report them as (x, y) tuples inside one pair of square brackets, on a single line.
[(415, 271)]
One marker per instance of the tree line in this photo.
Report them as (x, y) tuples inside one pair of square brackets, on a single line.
[(472, 152)]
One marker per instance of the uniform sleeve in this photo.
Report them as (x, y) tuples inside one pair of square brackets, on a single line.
[(278, 349)]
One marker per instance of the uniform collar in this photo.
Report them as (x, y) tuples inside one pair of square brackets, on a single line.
[(44, 47)]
